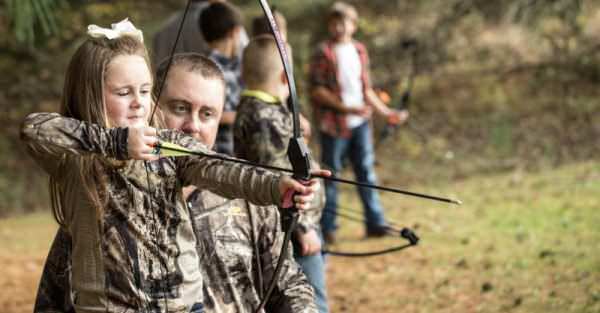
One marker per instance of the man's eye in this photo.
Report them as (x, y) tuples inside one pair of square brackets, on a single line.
[(179, 108), (207, 114)]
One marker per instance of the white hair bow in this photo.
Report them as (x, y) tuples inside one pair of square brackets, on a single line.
[(117, 30)]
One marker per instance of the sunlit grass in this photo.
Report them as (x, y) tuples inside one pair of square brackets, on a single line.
[(520, 242)]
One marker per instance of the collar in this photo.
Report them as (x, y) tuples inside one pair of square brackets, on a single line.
[(222, 60), (262, 96)]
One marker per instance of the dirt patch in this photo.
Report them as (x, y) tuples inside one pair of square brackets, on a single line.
[(19, 282)]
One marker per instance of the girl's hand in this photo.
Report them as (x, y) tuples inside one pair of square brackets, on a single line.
[(299, 195), (140, 143)]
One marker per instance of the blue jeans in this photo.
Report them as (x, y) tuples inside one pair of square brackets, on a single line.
[(314, 269), (359, 149)]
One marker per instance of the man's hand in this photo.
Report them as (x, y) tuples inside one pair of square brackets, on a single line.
[(310, 243), (140, 143)]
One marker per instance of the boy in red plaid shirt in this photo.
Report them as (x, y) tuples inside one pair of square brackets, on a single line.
[(344, 101)]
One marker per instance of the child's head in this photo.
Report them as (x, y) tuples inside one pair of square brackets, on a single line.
[(260, 25), (342, 21), (193, 96), (220, 21), (109, 82), (262, 67)]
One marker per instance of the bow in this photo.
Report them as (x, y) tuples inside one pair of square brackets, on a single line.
[(402, 104), (297, 152), (391, 228)]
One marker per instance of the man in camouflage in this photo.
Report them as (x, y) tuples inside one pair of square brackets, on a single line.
[(262, 131), (238, 243)]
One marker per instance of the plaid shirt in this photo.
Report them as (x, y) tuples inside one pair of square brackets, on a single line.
[(231, 68), (324, 73)]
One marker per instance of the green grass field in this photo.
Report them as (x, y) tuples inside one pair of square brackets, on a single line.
[(521, 242)]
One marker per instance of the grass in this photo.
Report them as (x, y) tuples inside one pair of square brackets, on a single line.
[(521, 242)]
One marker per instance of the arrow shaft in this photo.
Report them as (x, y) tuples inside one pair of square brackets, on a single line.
[(331, 178)]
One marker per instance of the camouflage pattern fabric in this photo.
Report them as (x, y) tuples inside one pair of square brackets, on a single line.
[(261, 133), (238, 245), (54, 292), (140, 255)]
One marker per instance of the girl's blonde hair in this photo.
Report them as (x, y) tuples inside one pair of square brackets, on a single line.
[(83, 100)]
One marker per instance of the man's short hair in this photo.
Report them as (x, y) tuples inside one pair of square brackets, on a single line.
[(218, 19), (261, 60), (191, 62)]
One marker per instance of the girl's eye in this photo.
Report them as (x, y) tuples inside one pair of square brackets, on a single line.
[(122, 93)]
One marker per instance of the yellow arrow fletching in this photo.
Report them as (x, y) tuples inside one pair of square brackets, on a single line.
[(168, 149)]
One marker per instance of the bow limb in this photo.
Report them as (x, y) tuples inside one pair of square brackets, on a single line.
[(405, 233), (297, 153), (389, 129)]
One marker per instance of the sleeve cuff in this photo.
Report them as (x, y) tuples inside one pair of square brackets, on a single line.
[(121, 136), (275, 194)]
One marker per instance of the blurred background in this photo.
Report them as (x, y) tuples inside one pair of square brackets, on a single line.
[(505, 115)]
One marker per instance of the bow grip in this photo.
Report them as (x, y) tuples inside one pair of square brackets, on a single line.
[(299, 157)]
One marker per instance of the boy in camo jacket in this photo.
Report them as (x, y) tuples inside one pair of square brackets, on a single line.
[(262, 130)]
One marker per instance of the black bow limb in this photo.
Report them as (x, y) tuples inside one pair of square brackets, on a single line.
[(391, 228), (404, 100), (405, 233), (298, 154)]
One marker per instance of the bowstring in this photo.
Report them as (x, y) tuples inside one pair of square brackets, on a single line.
[(151, 189)]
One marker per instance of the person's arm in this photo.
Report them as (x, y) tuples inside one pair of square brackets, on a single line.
[(392, 116), (380, 107), (309, 222), (234, 180), (305, 127), (50, 138), (329, 99), (293, 293)]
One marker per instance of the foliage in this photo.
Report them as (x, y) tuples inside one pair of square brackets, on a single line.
[(500, 85), (27, 16)]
